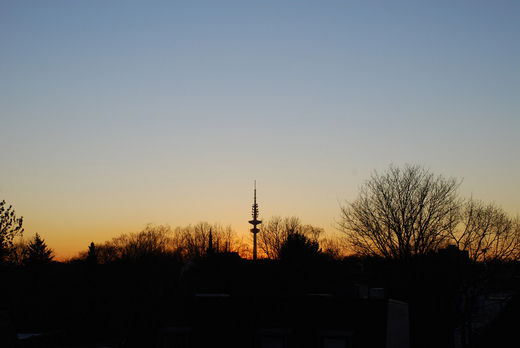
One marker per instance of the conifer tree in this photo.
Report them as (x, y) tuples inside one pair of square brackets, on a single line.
[(92, 256), (38, 252)]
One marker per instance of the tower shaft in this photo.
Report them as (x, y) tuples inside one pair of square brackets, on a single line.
[(254, 246)]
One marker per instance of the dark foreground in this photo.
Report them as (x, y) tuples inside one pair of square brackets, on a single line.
[(222, 300)]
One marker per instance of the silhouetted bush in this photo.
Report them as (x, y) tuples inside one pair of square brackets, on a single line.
[(298, 247)]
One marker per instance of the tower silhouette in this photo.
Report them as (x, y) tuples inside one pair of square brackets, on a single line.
[(255, 222)]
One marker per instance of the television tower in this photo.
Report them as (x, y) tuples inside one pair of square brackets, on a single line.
[(255, 222)]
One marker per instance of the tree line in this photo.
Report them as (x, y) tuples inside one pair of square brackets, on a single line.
[(399, 214), (196, 241)]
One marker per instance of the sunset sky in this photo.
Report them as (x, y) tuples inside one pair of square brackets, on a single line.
[(115, 114)]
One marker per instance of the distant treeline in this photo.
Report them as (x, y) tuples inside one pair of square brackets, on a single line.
[(398, 214), (195, 241)]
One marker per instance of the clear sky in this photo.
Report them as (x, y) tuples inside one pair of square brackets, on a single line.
[(115, 114)]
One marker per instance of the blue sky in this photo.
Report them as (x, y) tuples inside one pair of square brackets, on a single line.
[(115, 114)]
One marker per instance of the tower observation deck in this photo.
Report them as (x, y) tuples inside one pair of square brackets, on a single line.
[(255, 222)]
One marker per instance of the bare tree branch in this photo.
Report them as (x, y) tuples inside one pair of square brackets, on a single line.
[(401, 213)]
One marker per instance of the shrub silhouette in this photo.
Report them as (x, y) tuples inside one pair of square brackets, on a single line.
[(298, 247)]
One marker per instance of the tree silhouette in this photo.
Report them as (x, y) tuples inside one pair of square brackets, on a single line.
[(275, 232), (17, 252), (159, 240), (10, 226), (192, 241), (401, 213), (487, 233), (153, 241), (92, 255), (298, 247), (37, 252)]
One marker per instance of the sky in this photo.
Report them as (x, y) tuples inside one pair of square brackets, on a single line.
[(116, 114)]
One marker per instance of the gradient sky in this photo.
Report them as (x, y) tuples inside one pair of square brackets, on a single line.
[(115, 114)]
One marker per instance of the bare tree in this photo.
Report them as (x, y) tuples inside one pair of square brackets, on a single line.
[(401, 213), (274, 233), (152, 241), (10, 227), (106, 252), (16, 253), (193, 241), (516, 253), (160, 240), (333, 246), (487, 233)]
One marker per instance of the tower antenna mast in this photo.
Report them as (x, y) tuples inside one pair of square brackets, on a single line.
[(255, 222)]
